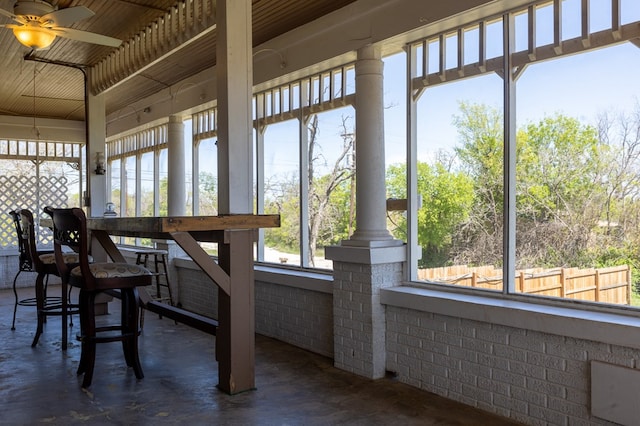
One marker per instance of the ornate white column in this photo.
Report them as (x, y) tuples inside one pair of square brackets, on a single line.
[(371, 218), (371, 259), (176, 191)]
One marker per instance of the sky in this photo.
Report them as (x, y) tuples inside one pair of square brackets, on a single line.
[(580, 86)]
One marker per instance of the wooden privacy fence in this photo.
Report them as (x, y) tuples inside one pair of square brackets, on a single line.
[(608, 285)]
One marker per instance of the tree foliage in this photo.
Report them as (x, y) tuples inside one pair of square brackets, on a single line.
[(446, 197)]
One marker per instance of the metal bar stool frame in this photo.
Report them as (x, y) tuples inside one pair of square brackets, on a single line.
[(159, 258), (26, 265)]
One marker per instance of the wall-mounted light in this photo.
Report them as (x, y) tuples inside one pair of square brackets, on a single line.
[(99, 163)]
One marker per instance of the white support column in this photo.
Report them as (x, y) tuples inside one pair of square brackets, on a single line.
[(234, 66), (235, 346), (176, 196), (371, 218), (96, 135), (371, 259)]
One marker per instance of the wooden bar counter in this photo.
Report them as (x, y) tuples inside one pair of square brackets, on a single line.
[(232, 274)]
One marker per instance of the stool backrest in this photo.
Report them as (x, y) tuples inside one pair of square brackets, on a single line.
[(24, 257), (28, 230), (70, 230)]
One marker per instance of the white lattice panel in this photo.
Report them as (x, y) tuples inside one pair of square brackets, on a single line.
[(20, 192)]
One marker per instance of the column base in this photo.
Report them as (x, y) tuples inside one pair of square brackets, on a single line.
[(358, 316)]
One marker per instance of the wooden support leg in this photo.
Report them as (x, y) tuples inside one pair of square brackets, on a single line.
[(235, 339)]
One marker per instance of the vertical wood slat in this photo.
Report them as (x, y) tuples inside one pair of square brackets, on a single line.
[(332, 86), (273, 101), (310, 94), (482, 46), (281, 99), (443, 54), (461, 52), (425, 58), (531, 31), (615, 19), (586, 31), (188, 18), (291, 100), (344, 83), (557, 26)]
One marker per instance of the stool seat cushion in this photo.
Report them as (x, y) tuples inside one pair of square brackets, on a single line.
[(113, 270), (69, 258)]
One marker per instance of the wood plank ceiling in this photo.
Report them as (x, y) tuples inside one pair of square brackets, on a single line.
[(59, 91)]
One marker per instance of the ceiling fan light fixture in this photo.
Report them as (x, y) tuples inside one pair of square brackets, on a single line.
[(34, 37)]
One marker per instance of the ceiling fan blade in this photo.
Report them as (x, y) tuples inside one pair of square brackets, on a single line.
[(86, 36), (8, 14), (66, 17)]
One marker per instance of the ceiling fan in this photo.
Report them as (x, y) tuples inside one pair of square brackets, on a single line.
[(40, 23)]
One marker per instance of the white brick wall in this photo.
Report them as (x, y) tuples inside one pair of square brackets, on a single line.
[(359, 317), (532, 377), (300, 317), (297, 316), (8, 269)]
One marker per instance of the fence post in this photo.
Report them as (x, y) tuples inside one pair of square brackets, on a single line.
[(521, 282), (474, 279), (629, 289), (563, 290), (597, 278)]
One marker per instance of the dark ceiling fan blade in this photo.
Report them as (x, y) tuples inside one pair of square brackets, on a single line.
[(8, 14), (87, 37), (66, 17)]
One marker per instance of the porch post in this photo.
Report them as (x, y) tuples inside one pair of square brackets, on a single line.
[(96, 136), (235, 340)]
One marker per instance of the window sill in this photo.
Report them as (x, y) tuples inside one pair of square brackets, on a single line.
[(307, 280), (607, 327)]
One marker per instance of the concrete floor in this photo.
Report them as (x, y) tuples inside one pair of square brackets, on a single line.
[(294, 386)]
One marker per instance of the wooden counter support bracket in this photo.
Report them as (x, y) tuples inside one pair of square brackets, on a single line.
[(203, 260)]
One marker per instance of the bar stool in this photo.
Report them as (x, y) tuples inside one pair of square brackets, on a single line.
[(70, 230), (160, 272), (44, 264), (26, 265)]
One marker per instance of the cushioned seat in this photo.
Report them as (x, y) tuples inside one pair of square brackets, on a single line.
[(112, 270), (70, 230)]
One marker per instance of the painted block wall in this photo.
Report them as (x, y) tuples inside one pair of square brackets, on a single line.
[(300, 317), (8, 269), (532, 377)]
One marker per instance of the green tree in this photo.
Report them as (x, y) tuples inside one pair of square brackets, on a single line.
[(480, 157), (208, 194), (447, 198), (560, 189)]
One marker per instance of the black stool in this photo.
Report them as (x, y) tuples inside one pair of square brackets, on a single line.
[(26, 265), (160, 272), (70, 230)]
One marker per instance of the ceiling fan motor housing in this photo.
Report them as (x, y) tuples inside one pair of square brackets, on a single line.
[(32, 10)]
